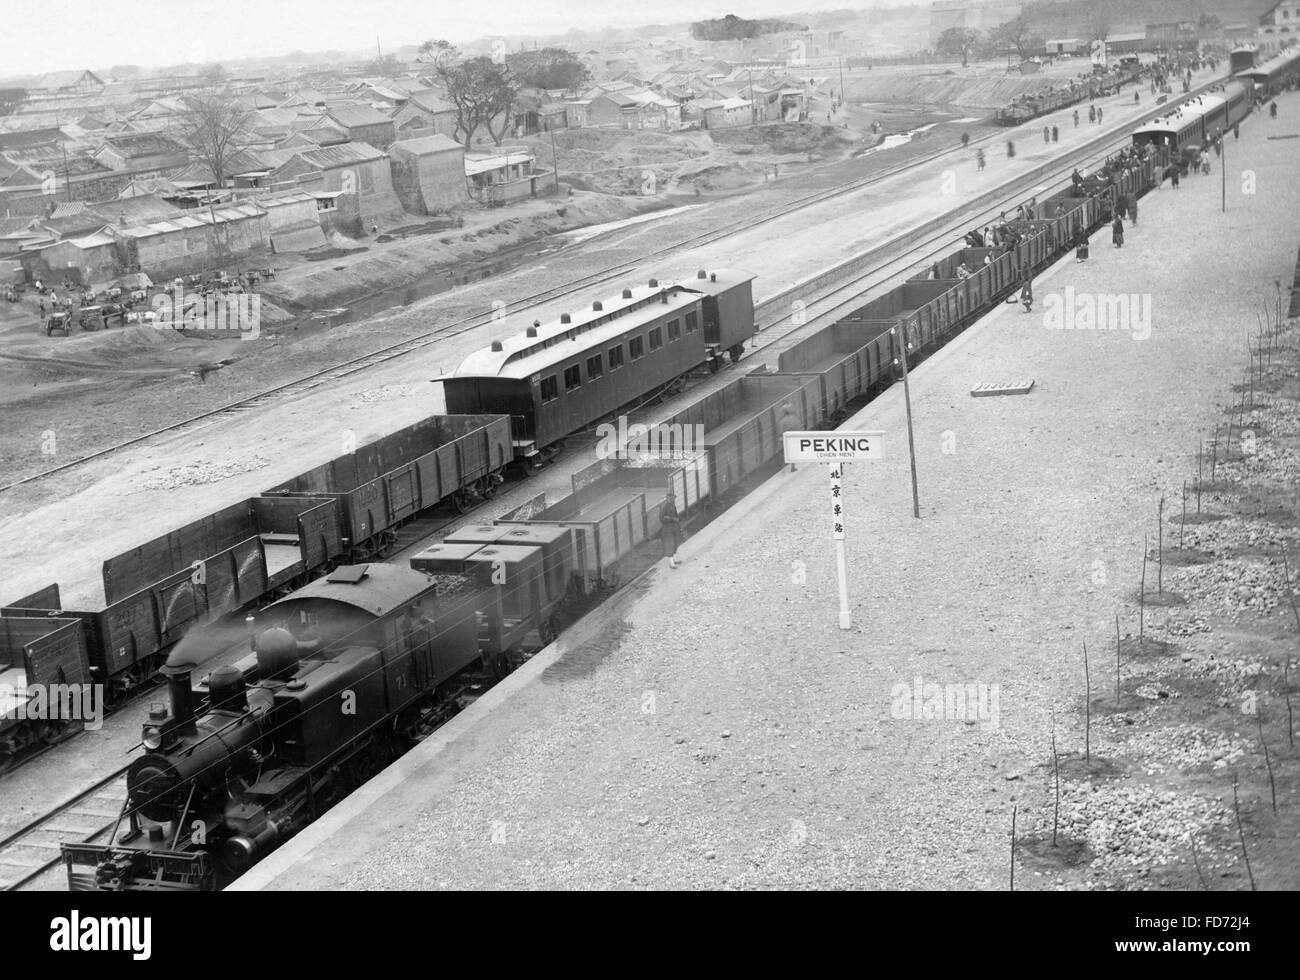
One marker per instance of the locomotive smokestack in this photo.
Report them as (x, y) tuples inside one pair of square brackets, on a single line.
[(182, 697)]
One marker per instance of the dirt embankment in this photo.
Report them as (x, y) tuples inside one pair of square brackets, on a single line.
[(647, 163), (976, 87), (372, 268)]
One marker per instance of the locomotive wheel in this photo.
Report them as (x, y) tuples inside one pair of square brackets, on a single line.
[(460, 500)]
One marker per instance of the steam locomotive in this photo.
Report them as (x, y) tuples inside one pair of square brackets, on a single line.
[(344, 674)]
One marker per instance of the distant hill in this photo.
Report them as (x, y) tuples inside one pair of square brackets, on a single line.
[(733, 28)]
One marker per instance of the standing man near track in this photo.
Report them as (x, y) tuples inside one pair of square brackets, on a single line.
[(669, 528)]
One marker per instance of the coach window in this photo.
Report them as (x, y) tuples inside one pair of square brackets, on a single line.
[(692, 321), (550, 390), (594, 368), (572, 377), (636, 347), (616, 357), (674, 330), (656, 338)]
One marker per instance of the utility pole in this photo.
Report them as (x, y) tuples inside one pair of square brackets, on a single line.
[(841, 79), (67, 180), (555, 157), (753, 109), (907, 401), (1223, 176), (379, 52)]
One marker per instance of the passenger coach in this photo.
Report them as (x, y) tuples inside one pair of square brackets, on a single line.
[(563, 377), (1197, 121)]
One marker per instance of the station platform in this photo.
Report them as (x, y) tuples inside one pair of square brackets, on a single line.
[(716, 729)]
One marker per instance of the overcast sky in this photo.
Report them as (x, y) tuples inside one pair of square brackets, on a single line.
[(56, 34)]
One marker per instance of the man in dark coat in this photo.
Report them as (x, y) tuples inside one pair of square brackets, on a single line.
[(669, 528), (1117, 232)]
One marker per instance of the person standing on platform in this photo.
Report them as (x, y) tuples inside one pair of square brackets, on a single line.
[(1092, 113), (1081, 245), (1056, 135), (1047, 134), (1174, 172), (1027, 295), (1076, 118), (1117, 232), (1098, 115), (1236, 130), (1011, 149), (965, 140), (979, 159), (1133, 209), (669, 528)]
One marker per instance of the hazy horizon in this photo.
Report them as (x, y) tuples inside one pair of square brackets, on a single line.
[(155, 33)]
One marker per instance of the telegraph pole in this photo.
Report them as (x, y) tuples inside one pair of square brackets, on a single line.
[(1223, 176), (841, 78), (753, 109), (907, 401), (555, 157)]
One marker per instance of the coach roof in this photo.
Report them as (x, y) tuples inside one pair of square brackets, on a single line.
[(521, 355)]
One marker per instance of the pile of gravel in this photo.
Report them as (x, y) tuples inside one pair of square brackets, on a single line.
[(199, 474)]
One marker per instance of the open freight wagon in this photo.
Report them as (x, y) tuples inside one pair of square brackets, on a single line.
[(384, 483)]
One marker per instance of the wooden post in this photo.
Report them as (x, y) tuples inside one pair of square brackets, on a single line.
[(1013, 846), (1087, 707), (1200, 452), (1142, 594), (1117, 658), (1160, 546), (907, 401), (1182, 534)]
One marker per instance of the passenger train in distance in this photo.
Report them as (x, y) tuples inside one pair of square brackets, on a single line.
[(1269, 77), (1198, 121)]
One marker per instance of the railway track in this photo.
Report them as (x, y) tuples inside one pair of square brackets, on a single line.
[(601, 276), (33, 849)]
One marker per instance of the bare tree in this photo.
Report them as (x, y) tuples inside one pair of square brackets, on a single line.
[(214, 129), (961, 41)]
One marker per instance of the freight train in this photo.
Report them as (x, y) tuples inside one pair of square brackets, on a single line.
[(345, 671), (623, 351)]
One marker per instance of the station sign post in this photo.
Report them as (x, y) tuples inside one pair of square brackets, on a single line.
[(836, 449)]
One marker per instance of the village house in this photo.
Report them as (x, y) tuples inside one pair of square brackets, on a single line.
[(362, 123), (141, 153), (429, 174), (613, 109), (357, 172), (504, 176), (425, 113), (195, 240)]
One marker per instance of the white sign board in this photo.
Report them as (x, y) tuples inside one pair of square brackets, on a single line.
[(834, 447)]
